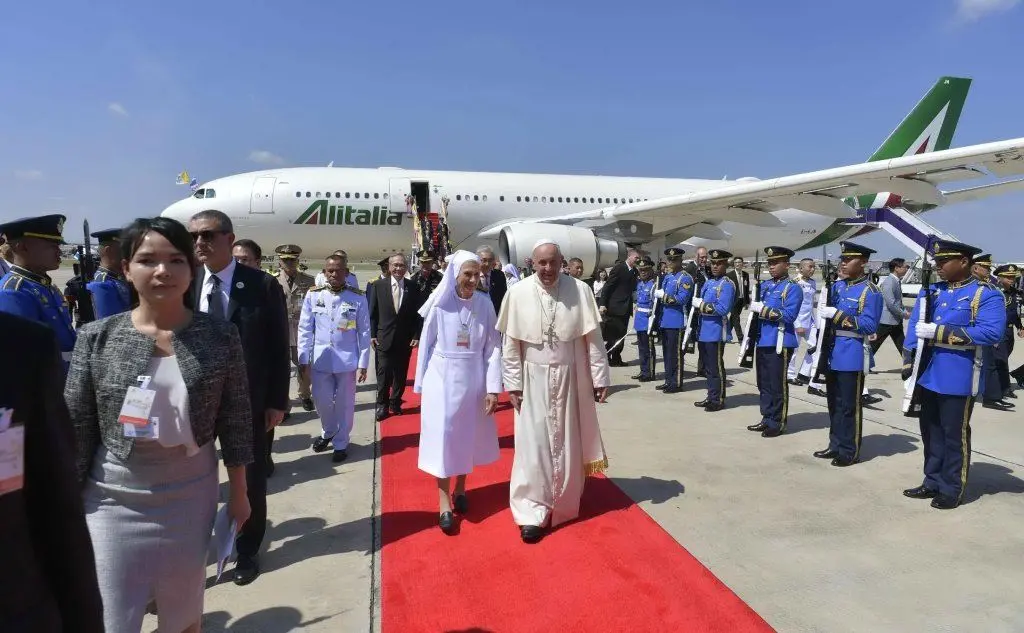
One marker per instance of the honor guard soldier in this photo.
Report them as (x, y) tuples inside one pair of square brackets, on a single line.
[(674, 296), (109, 290), (777, 311), (855, 307), (334, 350), (645, 319), (715, 303), (967, 315), (1007, 277), (295, 285), (27, 290), (426, 278)]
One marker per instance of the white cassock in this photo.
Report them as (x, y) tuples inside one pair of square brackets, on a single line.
[(455, 369), (554, 353)]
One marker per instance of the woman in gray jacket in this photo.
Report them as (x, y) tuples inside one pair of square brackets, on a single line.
[(148, 391)]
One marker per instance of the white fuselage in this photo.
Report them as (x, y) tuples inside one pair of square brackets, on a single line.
[(364, 211)]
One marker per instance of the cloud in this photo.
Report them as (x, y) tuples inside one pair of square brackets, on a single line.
[(28, 174), (974, 10), (263, 157), (116, 108)]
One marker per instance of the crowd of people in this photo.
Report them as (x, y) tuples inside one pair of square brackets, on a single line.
[(110, 494)]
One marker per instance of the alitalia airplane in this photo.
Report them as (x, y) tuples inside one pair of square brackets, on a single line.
[(375, 212)]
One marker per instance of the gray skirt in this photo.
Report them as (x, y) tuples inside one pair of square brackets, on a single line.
[(151, 520)]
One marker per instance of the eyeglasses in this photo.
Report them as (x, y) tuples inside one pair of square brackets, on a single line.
[(207, 236)]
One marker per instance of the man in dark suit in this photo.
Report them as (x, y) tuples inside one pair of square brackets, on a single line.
[(48, 577), (741, 278), (255, 303), (492, 280), (394, 331), (369, 285), (616, 305)]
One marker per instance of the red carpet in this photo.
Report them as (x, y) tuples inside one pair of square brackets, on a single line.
[(614, 569)]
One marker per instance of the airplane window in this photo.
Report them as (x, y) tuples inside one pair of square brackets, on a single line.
[(385, 196), (366, 195), (298, 194), (199, 194), (543, 198), (485, 197), (591, 201), (559, 198), (376, 196), (501, 198), (357, 195), (575, 199), (337, 194), (211, 193), (317, 194), (458, 197), (535, 198), (308, 194), (519, 198), (348, 194), (476, 198)]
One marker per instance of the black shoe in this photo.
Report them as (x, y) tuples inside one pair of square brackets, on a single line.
[(1020, 380), (998, 405), (760, 426), (843, 462), (461, 504), (772, 432), (531, 533), (645, 379), (827, 453), (270, 467), (1009, 394), (661, 387), (702, 373), (321, 444), (396, 408), (794, 382), (814, 391), (382, 412), (942, 502), (247, 569), (714, 406), (869, 399), (307, 404), (339, 456), (671, 390), (447, 523), (702, 403), (637, 377), (287, 415), (920, 493)]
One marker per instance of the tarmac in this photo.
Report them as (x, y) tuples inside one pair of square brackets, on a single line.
[(809, 546)]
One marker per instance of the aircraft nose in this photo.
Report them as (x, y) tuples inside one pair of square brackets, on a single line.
[(181, 211)]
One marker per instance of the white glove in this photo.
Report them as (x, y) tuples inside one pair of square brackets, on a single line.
[(756, 306), (659, 294), (925, 330), (698, 302), (828, 312)]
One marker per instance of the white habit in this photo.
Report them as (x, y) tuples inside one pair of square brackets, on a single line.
[(554, 353), (454, 372)]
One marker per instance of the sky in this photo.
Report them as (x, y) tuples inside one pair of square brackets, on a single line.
[(105, 103)]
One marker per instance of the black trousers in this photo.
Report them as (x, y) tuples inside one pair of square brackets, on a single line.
[(615, 328), (842, 391), (672, 350), (250, 538), (773, 386), (714, 364), (392, 372), (992, 389), (946, 436), (648, 354), (895, 332), (734, 321), (1001, 360)]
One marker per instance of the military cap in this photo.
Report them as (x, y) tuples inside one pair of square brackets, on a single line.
[(425, 256), (775, 253), (1008, 270), (674, 252), (849, 249), (645, 262), (44, 227), (717, 255), (948, 249), (288, 251), (109, 235), (983, 260)]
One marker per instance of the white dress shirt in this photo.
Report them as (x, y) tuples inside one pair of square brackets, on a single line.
[(401, 289), (225, 277)]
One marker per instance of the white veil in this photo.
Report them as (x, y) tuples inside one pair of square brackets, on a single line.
[(445, 290)]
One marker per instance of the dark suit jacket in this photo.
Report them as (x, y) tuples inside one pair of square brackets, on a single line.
[(617, 294), (259, 312), (48, 575), (741, 283), (497, 288), (391, 329)]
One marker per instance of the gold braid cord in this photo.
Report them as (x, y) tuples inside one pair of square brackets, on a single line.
[(594, 468)]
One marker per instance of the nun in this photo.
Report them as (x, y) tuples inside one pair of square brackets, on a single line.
[(458, 373), (511, 274)]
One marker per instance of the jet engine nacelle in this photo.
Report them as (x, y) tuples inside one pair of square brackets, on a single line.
[(516, 243)]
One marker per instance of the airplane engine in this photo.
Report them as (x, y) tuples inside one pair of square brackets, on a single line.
[(516, 241)]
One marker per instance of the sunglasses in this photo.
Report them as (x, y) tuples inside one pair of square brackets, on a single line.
[(206, 236)]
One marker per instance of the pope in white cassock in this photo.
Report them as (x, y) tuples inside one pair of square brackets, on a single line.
[(555, 368), (458, 371)]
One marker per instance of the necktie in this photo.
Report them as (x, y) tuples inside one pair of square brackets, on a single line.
[(216, 306), (395, 292)]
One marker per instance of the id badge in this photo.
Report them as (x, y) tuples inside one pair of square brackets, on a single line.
[(12, 454), (134, 415), (462, 339)]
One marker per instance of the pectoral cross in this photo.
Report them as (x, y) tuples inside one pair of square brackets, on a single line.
[(552, 337)]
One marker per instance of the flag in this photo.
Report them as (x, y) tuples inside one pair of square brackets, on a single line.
[(193, 184), (182, 179)]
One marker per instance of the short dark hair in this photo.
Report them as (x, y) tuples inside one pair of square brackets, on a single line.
[(895, 263), (175, 233), (576, 260), (336, 258), (252, 246), (807, 259), (222, 219)]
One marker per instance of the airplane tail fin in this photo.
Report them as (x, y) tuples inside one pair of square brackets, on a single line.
[(930, 125)]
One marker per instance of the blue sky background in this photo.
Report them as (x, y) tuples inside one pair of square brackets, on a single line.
[(104, 103)]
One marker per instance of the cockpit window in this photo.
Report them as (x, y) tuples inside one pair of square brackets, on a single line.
[(211, 193), (199, 194)]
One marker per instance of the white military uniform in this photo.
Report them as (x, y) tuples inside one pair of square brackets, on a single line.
[(805, 320), (334, 339)]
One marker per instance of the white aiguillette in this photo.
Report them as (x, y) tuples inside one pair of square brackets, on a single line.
[(12, 453)]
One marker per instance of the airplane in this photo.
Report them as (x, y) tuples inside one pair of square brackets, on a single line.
[(371, 213)]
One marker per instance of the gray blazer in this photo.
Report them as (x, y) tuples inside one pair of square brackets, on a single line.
[(109, 356), (892, 296)]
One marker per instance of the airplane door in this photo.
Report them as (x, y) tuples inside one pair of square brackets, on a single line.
[(400, 188), (263, 195)]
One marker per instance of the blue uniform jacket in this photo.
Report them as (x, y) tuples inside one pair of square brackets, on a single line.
[(678, 288), (110, 294), (644, 304), (782, 300), (718, 295), (969, 315), (858, 308), (33, 297)]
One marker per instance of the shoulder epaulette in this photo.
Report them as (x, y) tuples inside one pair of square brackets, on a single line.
[(13, 282), (354, 290), (317, 288)]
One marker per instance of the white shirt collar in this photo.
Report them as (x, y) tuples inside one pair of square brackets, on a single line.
[(225, 275)]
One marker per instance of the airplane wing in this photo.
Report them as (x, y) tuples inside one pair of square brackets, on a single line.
[(914, 179)]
